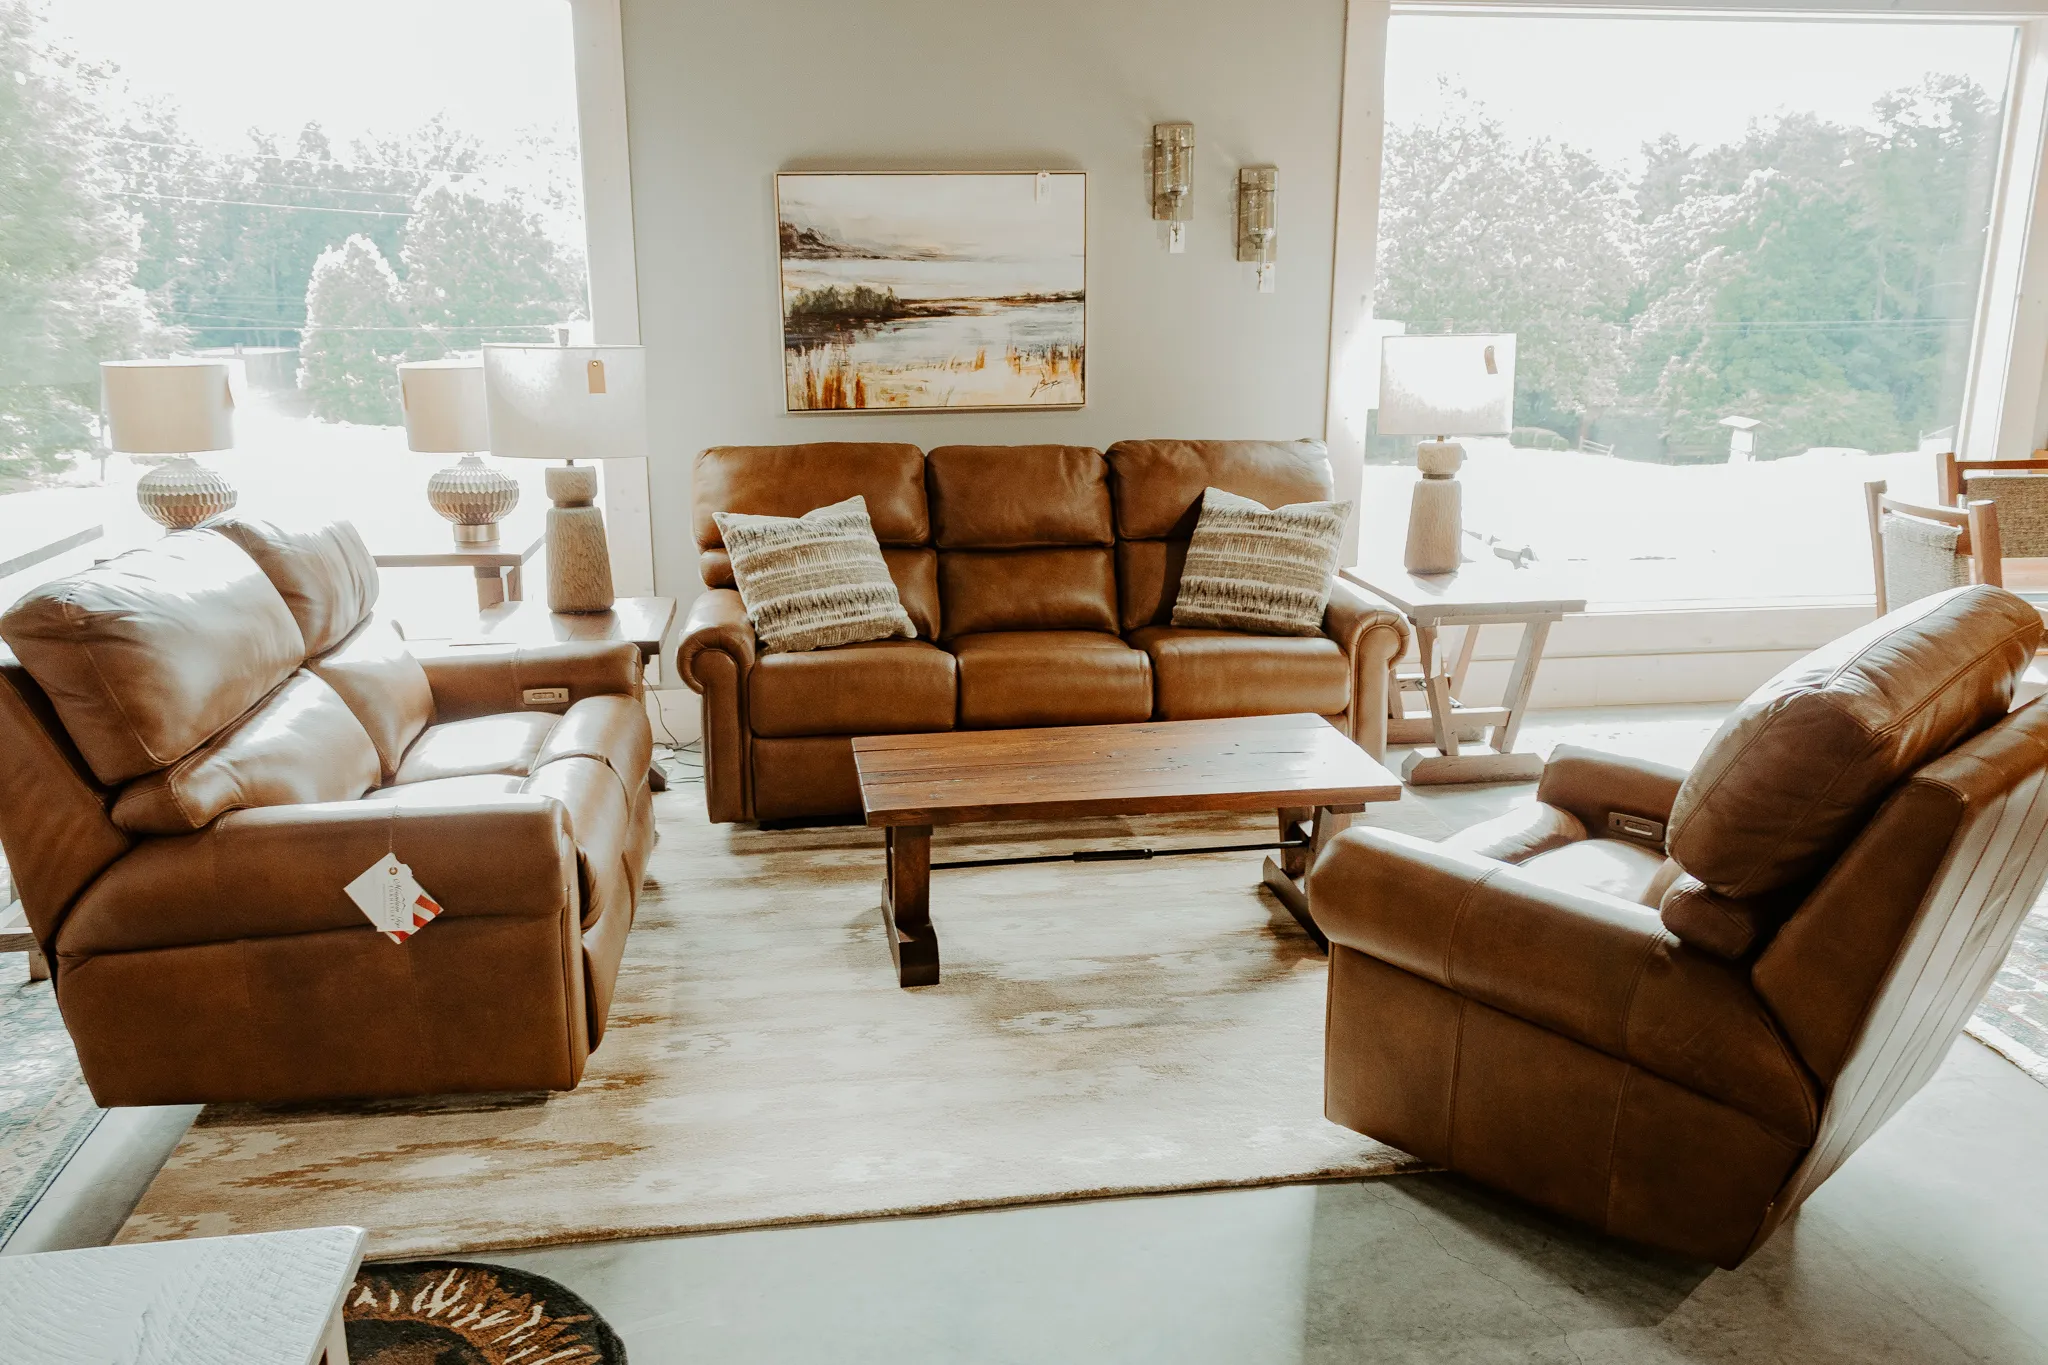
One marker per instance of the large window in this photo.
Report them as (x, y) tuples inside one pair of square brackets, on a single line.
[(312, 192), (1742, 259)]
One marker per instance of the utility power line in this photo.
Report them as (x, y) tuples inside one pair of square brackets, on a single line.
[(256, 204)]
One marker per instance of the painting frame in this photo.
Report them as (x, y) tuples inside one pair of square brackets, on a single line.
[(1039, 333)]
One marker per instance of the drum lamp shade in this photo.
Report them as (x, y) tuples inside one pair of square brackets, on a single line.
[(444, 406), (168, 407), (566, 402), (1447, 385)]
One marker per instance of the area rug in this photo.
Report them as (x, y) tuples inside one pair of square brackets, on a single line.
[(455, 1313), (45, 1109), (1106, 1028), (2013, 1018)]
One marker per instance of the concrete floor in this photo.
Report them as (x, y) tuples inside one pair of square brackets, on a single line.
[(1929, 1246)]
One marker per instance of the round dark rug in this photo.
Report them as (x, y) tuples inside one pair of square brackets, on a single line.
[(460, 1313)]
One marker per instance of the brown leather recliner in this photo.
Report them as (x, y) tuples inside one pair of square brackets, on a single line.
[(1848, 864), (1041, 580), (203, 742)]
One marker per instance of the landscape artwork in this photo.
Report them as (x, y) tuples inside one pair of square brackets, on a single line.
[(921, 290)]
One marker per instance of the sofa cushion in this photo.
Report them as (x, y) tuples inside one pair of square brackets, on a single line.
[(994, 590), (452, 791), (300, 744), (383, 684), (1613, 867), (610, 730), (324, 573), (1254, 568), (1156, 487), (787, 481), (883, 688), (1721, 925), (1199, 674), (151, 654), (1799, 767), (1018, 497), (506, 743), (1051, 677), (814, 581)]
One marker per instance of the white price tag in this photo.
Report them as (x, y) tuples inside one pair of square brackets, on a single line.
[(393, 901)]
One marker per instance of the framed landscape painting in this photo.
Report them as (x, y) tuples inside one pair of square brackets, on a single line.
[(933, 290)]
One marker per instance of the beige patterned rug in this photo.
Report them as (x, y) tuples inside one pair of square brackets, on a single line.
[(1101, 1029)]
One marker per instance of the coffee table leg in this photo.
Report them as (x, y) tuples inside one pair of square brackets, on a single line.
[(1292, 887), (907, 905)]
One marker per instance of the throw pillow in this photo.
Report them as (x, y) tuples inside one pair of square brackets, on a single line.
[(1263, 570), (813, 581)]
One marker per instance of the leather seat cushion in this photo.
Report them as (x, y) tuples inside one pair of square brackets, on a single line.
[(1614, 867), (505, 743), (1802, 764), (883, 687), (324, 573), (154, 652), (383, 684), (1051, 677), (1198, 674)]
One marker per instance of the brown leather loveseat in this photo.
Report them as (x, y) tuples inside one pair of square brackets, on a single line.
[(202, 743), (1041, 580), (1679, 1049)]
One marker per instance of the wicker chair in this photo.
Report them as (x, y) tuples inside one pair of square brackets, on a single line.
[(1916, 552)]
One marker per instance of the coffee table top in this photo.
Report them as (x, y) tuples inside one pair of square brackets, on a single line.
[(1153, 768)]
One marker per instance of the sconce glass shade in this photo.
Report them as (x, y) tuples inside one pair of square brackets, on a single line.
[(1257, 233), (1173, 170), (566, 402), (1447, 385)]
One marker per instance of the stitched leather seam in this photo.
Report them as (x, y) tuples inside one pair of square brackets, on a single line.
[(1613, 1143), (1458, 920), (1635, 983), (1451, 1099)]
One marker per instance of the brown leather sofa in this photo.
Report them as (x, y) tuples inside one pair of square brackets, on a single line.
[(203, 742), (1041, 580), (1848, 864)]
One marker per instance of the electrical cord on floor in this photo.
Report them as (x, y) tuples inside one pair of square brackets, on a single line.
[(681, 762)]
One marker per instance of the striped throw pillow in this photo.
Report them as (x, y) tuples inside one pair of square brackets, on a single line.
[(813, 581), (1260, 570)]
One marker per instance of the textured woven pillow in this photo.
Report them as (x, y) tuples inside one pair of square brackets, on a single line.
[(1265, 571), (813, 581)]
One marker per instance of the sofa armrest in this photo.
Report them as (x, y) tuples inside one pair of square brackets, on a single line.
[(488, 679), (278, 871), (1597, 969), (1592, 785), (1372, 636), (717, 622)]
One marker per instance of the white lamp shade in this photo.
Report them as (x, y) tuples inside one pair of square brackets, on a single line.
[(444, 406), (566, 402), (168, 407), (1447, 385)]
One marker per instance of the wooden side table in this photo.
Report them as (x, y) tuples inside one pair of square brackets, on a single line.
[(272, 1298), (15, 937), (499, 568), (1483, 592)]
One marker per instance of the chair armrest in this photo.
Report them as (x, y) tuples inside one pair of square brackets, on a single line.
[(1353, 612), (490, 680), (1372, 636), (1591, 784), (717, 621), (283, 870), (1600, 970)]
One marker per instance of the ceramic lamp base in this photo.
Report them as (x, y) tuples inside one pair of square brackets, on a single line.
[(579, 560), (182, 493), (1436, 529), (475, 497)]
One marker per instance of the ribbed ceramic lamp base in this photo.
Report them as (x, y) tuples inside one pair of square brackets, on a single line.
[(182, 493), (475, 497)]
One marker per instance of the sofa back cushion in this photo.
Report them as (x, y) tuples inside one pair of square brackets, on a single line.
[(324, 573), (1024, 536), (1156, 490), (151, 654), (1797, 770), (383, 684), (301, 744)]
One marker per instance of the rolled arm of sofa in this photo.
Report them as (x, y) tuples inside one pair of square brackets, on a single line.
[(1372, 636), (277, 871), (1597, 969), (488, 679), (717, 652)]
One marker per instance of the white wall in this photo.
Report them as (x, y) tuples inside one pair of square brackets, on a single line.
[(721, 96)]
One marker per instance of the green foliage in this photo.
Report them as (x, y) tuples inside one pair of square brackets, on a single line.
[(481, 267), (356, 333), (68, 297)]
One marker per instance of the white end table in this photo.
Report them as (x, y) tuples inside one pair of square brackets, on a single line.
[(1482, 592)]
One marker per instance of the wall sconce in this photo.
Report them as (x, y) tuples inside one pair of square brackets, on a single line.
[(1257, 237), (1173, 180)]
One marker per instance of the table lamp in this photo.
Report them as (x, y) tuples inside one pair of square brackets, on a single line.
[(1439, 387), (445, 415), (569, 403), (172, 407)]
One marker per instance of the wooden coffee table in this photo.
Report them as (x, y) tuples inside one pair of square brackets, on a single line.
[(1299, 766)]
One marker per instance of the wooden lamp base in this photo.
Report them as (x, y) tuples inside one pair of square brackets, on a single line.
[(1436, 522), (579, 560)]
